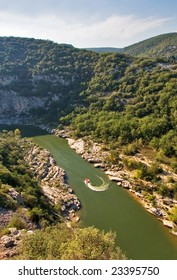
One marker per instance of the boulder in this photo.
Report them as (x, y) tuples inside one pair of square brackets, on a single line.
[(168, 223), (7, 241)]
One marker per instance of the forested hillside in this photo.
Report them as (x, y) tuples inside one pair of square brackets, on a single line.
[(130, 99), (38, 79), (41, 81), (159, 46)]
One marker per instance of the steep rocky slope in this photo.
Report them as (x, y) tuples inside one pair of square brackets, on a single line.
[(39, 78)]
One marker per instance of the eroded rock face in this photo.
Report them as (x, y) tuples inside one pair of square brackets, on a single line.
[(12, 104), (5, 216), (77, 145), (9, 243), (15, 195), (21, 101)]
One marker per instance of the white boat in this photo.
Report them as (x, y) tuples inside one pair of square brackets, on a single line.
[(87, 181), (102, 187)]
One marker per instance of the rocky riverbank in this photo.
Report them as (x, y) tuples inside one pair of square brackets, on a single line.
[(96, 154), (58, 193), (52, 179)]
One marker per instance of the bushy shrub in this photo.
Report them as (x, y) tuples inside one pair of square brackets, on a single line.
[(130, 149), (17, 222), (61, 242)]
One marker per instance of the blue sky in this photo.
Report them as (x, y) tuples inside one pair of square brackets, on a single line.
[(88, 23)]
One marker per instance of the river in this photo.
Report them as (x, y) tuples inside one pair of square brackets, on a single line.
[(139, 234)]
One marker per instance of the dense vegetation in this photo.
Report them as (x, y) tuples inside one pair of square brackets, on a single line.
[(18, 188), (44, 69), (129, 101), (25, 58), (62, 75), (158, 46), (61, 242)]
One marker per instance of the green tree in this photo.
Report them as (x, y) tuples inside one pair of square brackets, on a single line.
[(17, 132), (173, 215), (91, 244), (17, 222), (61, 242)]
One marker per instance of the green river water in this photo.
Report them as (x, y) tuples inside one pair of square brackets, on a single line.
[(139, 234)]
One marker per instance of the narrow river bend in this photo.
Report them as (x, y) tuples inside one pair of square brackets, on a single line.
[(139, 234)]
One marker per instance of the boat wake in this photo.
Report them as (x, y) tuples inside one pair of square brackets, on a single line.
[(103, 187)]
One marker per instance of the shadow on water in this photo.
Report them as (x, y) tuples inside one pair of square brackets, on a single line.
[(26, 130)]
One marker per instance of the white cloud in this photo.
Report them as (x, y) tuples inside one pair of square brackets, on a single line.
[(116, 30)]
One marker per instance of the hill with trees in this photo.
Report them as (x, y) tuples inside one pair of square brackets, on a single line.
[(104, 49), (159, 46), (129, 99), (38, 77)]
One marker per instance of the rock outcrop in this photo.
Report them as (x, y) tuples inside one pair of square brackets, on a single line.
[(15, 108), (10, 242)]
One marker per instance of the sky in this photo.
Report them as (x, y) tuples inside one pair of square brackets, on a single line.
[(88, 23)]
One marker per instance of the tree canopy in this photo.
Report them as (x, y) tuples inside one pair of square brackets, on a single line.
[(63, 243)]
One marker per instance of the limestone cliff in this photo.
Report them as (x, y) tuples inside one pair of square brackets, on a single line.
[(14, 105)]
